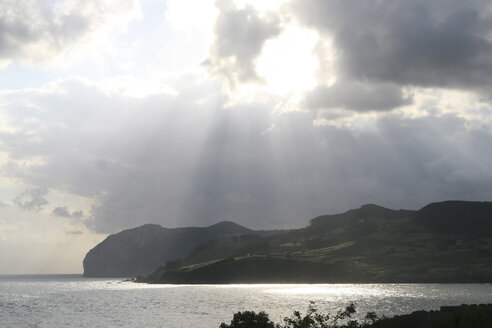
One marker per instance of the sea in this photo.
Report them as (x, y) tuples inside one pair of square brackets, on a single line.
[(74, 301)]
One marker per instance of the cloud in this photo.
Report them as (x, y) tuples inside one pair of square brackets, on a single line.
[(37, 31), (163, 133), (239, 38), (3, 204), (32, 199), (74, 232), (77, 214), (62, 211), (434, 43), (357, 96), (183, 160)]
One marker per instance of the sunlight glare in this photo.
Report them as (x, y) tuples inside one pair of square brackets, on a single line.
[(288, 63), (202, 15), (261, 5), (335, 290)]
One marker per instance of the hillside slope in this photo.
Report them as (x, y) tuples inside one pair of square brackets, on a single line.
[(443, 242)]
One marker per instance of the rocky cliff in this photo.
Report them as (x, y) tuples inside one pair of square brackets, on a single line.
[(139, 251)]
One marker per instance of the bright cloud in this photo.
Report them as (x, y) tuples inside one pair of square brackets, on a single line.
[(38, 32)]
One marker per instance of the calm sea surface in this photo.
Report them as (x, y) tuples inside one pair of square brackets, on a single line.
[(73, 301)]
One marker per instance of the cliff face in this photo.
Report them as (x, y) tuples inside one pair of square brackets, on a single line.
[(139, 251)]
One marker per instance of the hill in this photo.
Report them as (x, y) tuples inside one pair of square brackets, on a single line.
[(139, 251), (442, 242)]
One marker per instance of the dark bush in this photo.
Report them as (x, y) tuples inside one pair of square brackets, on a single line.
[(312, 319), (249, 319)]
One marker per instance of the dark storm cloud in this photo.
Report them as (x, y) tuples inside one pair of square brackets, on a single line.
[(357, 96), (239, 38), (430, 43), (32, 199)]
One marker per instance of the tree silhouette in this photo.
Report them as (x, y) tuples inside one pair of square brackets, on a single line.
[(249, 319)]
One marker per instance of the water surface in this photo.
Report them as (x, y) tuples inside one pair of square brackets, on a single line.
[(73, 301)]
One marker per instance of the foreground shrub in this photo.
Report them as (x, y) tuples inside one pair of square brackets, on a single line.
[(312, 319), (249, 319), (463, 316)]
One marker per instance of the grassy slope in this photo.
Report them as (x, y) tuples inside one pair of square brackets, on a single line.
[(370, 244)]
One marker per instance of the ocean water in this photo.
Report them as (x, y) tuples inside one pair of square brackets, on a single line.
[(73, 301)]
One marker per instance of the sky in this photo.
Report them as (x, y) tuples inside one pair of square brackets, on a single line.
[(117, 113)]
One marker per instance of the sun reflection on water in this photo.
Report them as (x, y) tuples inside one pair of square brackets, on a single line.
[(326, 289)]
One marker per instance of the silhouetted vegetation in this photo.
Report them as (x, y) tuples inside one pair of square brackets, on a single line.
[(248, 319), (464, 316), (312, 319)]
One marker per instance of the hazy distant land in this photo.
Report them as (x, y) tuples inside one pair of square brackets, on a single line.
[(442, 242)]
